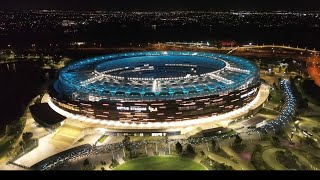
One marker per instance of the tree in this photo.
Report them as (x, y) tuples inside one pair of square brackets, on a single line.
[(279, 79), (213, 144), (126, 142), (202, 153), (239, 147), (238, 140), (178, 147), (86, 162), (258, 148), (190, 149), (218, 149), (87, 165), (126, 139), (219, 46), (2, 130), (27, 136), (114, 163), (22, 143), (275, 141), (275, 86)]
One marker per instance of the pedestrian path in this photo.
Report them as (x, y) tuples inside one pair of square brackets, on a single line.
[(245, 165)]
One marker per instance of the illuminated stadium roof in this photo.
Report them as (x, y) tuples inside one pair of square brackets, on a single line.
[(155, 75)]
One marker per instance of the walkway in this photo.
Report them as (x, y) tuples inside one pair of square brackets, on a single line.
[(270, 158)]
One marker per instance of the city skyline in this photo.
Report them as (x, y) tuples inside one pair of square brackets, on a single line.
[(162, 5)]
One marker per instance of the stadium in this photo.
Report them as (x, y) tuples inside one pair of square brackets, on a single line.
[(157, 89)]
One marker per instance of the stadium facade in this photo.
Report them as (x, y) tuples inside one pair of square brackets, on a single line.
[(155, 87)]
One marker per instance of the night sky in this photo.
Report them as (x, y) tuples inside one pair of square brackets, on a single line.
[(162, 4)]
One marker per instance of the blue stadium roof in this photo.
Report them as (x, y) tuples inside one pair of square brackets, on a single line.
[(155, 75)]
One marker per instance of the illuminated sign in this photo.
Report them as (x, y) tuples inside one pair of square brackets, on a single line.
[(131, 108), (137, 108), (151, 109), (123, 108)]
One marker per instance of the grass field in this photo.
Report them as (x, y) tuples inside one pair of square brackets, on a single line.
[(161, 163)]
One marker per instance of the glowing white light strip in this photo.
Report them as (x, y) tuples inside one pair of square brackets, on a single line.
[(238, 70), (154, 86), (221, 79), (148, 125)]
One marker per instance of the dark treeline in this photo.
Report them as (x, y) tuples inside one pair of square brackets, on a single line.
[(19, 85)]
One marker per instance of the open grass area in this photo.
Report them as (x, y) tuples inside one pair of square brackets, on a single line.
[(161, 163)]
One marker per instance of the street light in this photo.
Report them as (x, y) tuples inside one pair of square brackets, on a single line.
[(292, 132)]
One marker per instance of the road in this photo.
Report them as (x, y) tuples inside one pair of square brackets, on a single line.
[(278, 46), (245, 47)]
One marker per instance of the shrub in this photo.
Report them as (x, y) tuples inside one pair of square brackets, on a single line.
[(114, 163), (287, 159), (239, 147)]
